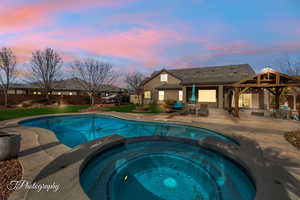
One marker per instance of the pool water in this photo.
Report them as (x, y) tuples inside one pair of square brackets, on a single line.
[(73, 130), (164, 170)]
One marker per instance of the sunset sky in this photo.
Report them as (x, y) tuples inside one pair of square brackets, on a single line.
[(145, 35)]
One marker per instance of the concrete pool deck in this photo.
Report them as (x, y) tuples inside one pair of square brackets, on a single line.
[(39, 147)]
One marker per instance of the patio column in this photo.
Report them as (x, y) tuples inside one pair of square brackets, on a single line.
[(277, 98), (184, 94), (261, 98), (295, 102), (236, 102), (267, 99), (220, 96)]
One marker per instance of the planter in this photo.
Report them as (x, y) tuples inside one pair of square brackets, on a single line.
[(9, 146)]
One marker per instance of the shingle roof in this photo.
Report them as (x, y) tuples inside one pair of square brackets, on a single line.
[(212, 75)]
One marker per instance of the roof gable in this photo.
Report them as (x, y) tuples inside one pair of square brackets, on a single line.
[(157, 73)]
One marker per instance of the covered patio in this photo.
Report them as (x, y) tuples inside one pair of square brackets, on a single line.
[(274, 82)]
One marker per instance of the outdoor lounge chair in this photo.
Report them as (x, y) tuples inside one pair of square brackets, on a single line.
[(202, 110), (178, 105)]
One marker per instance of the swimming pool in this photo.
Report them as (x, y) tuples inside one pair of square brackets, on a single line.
[(164, 170), (73, 130)]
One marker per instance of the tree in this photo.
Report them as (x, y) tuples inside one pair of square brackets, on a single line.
[(286, 64), (7, 70), (45, 68), (94, 74), (134, 80)]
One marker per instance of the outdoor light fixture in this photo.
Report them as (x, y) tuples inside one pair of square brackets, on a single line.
[(268, 69)]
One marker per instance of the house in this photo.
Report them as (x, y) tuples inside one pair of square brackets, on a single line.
[(213, 86), (67, 87)]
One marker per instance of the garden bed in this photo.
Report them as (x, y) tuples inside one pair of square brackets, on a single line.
[(10, 170), (293, 138)]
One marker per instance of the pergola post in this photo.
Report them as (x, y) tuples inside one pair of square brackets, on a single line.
[(277, 98), (269, 80), (236, 101)]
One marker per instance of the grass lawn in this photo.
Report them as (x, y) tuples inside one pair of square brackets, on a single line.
[(6, 114), (155, 109), (130, 108), (125, 108)]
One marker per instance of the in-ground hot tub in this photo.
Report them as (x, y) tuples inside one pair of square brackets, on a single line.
[(164, 170)]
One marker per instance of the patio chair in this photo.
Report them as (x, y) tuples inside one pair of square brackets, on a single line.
[(202, 110), (178, 105)]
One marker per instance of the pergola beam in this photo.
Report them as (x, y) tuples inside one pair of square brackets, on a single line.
[(266, 85), (268, 80), (271, 91)]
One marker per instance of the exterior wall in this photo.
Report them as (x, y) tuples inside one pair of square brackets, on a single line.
[(155, 82), (170, 95), (135, 99), (255, 100)]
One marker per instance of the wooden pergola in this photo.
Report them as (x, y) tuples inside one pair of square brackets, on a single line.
[(273, 81)]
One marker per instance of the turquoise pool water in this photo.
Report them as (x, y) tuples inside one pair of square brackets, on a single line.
[(164, 170), (73, 130)]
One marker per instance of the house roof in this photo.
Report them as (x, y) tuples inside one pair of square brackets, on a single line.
[(67, 84), (210, 75)]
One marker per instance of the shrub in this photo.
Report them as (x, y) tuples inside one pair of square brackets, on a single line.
[(43, 100), (170, 102), (27, 103)]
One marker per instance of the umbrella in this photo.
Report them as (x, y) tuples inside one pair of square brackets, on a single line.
[(193, 97)]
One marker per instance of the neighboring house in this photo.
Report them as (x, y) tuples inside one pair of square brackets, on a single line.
[(213, 86), (70, 90), (66, 87)]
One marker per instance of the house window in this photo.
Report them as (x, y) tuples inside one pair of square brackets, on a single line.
[(245, 100), (207, 96), (147, 94), (11, 92), (161, 95), (164, 77), (180, 95), (21, 92)]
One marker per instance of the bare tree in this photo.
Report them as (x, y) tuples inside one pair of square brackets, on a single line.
[(45, 68), (94, 74), (7, 70), (134, 80), (286, 64)]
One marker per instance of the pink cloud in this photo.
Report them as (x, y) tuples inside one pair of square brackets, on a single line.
[(238, 47), (138, 44), (16, 17), (143, 45)]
